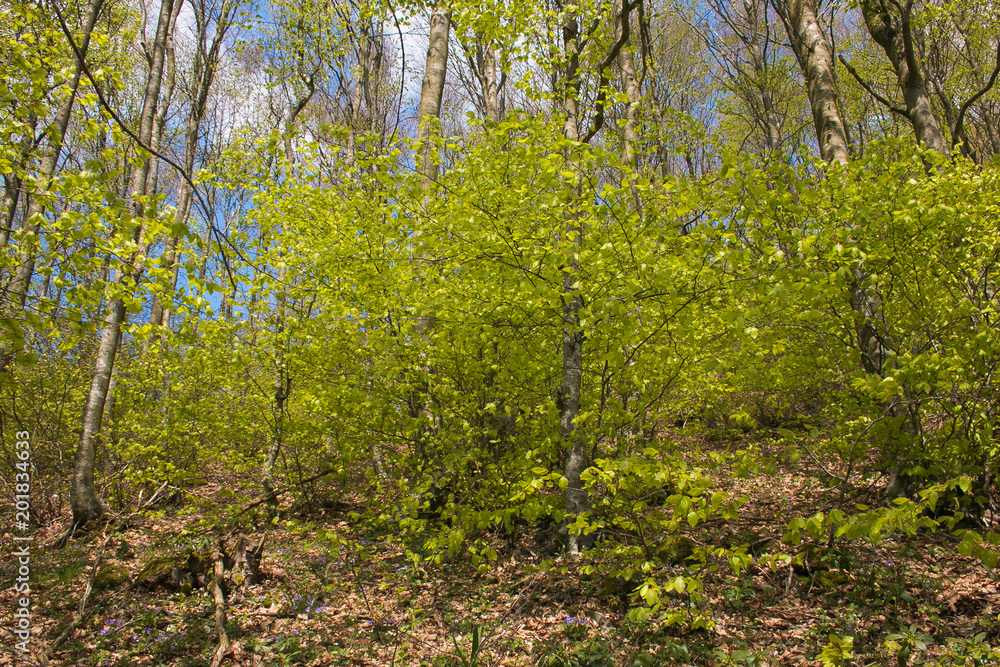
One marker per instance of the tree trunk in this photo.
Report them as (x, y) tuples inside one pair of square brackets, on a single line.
[(894, 33), (205, 64), (282, 380), (14, 181), (432, 91), (282, 387), (577, 500), (816, 60), (815, 57), (431, 95), (359, 95), (84, 498), (50, 160), (758, 59), (630, 139), (163, 108), (491, 83)]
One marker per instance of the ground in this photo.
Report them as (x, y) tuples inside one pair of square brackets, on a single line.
[(337, 591)]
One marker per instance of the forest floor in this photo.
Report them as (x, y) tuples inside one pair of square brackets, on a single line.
[(356, 599)]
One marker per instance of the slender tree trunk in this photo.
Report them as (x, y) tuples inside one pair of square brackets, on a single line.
[(770, 119), (163, 108), (84, 498), (159, 125), (577, 500), (14, 182), (491, 83), (630, 140), (282, 380), (993, 133), (816, 60), (47, 169), (282, 388), (361, 98), (205, 64), (432, 91), (431, 95)]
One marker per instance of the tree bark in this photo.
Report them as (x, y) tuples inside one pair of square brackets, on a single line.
[(893, 31), (205, 65), (491, 83), (633, 89), (815, 57), (432, 92), (282, 380), (577, 500), (14, 182), (431, 95), (84, 498), (47, 168), (816, 60)]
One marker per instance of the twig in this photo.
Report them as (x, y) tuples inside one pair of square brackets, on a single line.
[(821, 466), (152, 498), (219, 571), (81, 609)]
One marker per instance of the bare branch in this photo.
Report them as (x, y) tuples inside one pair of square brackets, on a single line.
[(959, 122), (871, 91)]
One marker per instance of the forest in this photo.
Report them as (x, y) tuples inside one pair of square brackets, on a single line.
[(450, 333)]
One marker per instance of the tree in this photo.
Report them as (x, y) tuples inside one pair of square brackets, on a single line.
[(815, 56), (211, 27), (890, 24), (84, 498), (56, 133)]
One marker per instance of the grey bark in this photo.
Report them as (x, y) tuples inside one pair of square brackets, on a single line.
[(815, 57), (84, 498), (758, 59), (361, 94), (432, 91), (747, 64), (163, 108), (483, 61), (207, 57), (577, 500), (889, 24), (492, 80), (431, 95), (14, 182), (282, 380), (633, 89)]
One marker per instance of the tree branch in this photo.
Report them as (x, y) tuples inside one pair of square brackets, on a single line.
[(864, 84), (609, 58), (959, 122)]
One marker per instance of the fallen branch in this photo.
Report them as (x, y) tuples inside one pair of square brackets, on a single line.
[(219, 571), (286, 489), (81, 609)]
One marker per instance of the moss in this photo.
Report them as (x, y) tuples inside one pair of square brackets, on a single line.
[(110, 576), (832, 579)]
